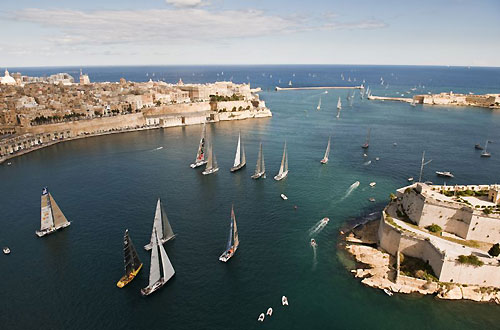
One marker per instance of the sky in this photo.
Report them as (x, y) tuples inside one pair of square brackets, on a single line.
[(198, 32)]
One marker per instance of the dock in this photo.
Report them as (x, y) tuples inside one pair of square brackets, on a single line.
[(387, 98), (319, 87)]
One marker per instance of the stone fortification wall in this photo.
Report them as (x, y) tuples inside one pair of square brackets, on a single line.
[(412, 203), (453, 220), (91, 126), (486, 275), (392, 240), (484, 228)]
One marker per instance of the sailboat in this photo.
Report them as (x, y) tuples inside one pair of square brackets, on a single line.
[(327, 153), (155, 279), (485, 153), (338, 112), (233, 241), (52, 217), (339, 104), (284, 166), (319, 104), (260, 168), (161, 226), (200, 155), (367, 142), (211, 162), (239, 159), (132, 262)]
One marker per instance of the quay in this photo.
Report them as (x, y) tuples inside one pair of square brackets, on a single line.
[(317, 87)]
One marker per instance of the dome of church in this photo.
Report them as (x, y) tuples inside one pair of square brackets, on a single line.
[(7, 79)]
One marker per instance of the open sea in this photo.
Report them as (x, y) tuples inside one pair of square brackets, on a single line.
[(107, 184)]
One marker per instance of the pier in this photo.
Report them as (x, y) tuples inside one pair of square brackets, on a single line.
[(387, 98), (324, 87)]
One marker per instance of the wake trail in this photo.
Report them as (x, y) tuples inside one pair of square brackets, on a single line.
[(350, 190)]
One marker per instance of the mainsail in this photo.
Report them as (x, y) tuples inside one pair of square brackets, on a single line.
[(161, 226), (130, 256), (210, 158), (319, 104), (239, 158), (327, 152), (236, 240), (284, 162), (47, 219), (200, 155)]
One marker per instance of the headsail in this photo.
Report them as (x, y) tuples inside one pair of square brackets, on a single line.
[(59, 218), (168, 233), (161, 226), (154, 270), (168, 269)]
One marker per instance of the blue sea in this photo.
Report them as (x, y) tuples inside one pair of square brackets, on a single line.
[(107, 184)]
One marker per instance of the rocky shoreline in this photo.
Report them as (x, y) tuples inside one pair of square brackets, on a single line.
[(377, 269)]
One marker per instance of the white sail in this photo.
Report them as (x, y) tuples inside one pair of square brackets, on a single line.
[(237, 157), (47, 218), (160, 226), (263, 165), (167, 232), (154, 270), (286, 160), (339, 104), (168, 269), (210, 158), (327, 152), (236, 239), (282, 166), (319, 104)]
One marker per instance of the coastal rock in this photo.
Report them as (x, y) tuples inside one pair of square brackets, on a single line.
[(454, 293)]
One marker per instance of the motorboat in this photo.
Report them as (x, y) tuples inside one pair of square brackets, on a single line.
[(6, 250), (261, 317), (325, 220), (372, 184), (313, 242), (389, 293), (269, 311), (284, 301), (283, 197), (377, 158), (445, 174), (478, 147), (410, 179), (371, 199)]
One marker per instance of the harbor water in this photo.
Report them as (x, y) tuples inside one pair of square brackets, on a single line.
[(107, 184)]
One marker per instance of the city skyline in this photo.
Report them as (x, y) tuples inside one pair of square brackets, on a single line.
[(200, 32)]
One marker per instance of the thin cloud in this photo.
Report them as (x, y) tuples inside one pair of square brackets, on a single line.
[(185, 3)]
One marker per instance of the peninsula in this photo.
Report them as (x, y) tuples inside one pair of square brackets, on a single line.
[(432, 239), (36, 112), (317, 87), (485, 101)]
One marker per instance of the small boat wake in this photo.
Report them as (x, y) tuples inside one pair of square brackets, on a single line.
[(318, 227), (159, 148), (315, 258), (350, 190), (367, 163)]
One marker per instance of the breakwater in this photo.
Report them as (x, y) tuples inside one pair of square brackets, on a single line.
[(318, 87)]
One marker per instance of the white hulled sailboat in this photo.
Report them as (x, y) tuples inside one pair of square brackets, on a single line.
[(211, 162), (200, 155), (260, 168), (284, 166), (233, 241), (156, 281), (339, 104), (319, 104), (52, 217), (161, 226), (327, 153), (239, 158)]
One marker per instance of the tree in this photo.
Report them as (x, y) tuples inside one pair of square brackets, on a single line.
[(495, 250)]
